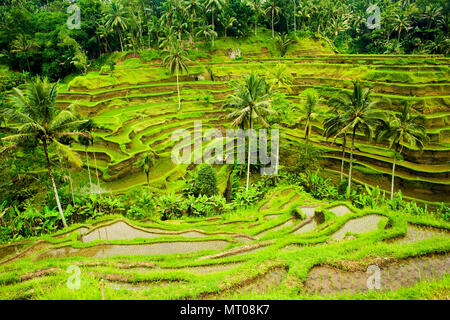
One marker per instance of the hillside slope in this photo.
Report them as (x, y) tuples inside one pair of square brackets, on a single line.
[(136, 107)]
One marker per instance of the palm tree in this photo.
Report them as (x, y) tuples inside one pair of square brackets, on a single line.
[(115, 16), (86, 141), (282, 42), (250, 103), (402, 129), (207, 31), (310, 110), (146, 161), (257, 7), (37, 120), (401, 23), (432, 13), (88, 127), (227, 21), (23, 45), (193, 7), (295, 17), (281, 78), (304, 13), (175, 58), (213, 5), (358, 114), (331, 127), (102, 32), (273, 9)]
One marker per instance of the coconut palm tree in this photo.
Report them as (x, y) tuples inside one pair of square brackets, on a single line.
[(175, 58), (193, 7), (89, 127), (281, 78), (213, 5), (227, 21), (432, 13), (23, 45), (102, 33), (331, 127), (310, 110), (146, 161), (282, 42), (115, 17), (273, 10), (257, 7), (401, 23), (37, 120), (358, 114), (86, 141), (400, 130), (206, 31), (250, 104)]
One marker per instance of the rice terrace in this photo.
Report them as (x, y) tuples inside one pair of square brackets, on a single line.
[(334, 184)]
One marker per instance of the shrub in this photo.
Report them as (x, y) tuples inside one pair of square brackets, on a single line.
[(172, 206), (206, 181)]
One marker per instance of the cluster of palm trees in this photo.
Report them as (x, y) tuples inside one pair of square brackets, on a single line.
[(35, 120), (356, 113), (191, 18)]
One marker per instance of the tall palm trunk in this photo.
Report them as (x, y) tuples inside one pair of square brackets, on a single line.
[(393, 171), (249, 148), (71, 189), (343, 156), (70, 181), (178, 89), (351, 162), (89, 170), (96, 170), (307, 130), (50, 173), (213, 26), (273, 33), (120, 38), (295, 19)]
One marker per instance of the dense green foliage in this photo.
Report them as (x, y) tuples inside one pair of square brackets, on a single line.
[(206, 181), (34, 36)]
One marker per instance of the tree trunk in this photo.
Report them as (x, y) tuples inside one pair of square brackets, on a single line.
[(351, 162), (178, 89), (393, 171), (343, 156), (96, 170), (71, 189), (89, 170), (148, 180), (28, 63), (393, 176), (307, 131), (213, 27), (273, 33), (120, 38), (249, 148), (295, 19), (50, 173)]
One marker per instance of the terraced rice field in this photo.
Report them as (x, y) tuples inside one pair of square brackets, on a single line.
[(282, 256), (136, 109)]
